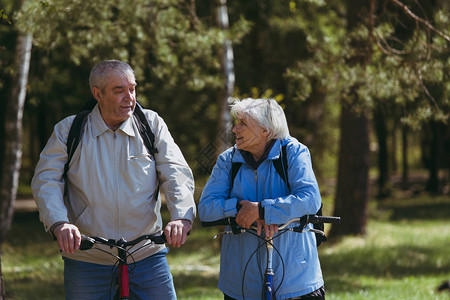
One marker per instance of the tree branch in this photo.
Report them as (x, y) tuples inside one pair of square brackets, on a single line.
[(420, 20)]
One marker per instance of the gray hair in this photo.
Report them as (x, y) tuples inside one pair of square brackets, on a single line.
[(101, 72), (266, 112)]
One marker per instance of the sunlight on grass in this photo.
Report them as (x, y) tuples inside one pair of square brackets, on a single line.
[(396, 260), (403, 256)]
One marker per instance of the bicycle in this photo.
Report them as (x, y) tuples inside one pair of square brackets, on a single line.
[(269, 292), (123, 252)]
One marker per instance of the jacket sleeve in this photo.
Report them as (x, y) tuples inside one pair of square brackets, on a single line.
[(215, 202), (304, 197), (47, 183), (175, 176)]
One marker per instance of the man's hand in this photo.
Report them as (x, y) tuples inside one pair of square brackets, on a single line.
[(68, 236), (248, 214), (176, 232)]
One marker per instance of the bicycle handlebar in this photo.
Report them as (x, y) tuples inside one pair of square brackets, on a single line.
[(314, 219), (87, 242)]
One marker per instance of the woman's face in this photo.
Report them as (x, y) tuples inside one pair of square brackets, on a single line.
[(250, 136)]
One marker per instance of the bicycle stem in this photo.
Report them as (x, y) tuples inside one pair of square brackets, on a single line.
[(268, 278)]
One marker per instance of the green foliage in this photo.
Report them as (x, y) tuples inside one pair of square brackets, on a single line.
[(172, 51), (4, 17), (130, 31), (398, 69)]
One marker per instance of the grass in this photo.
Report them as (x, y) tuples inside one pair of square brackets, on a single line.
[(403, 256)]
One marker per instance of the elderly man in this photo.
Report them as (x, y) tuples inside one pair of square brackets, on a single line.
[(112, 189)]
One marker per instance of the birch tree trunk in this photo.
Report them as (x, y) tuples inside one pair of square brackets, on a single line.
[(223, 140), (13, 140)]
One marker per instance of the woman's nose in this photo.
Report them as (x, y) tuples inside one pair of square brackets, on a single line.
[(235, 128)]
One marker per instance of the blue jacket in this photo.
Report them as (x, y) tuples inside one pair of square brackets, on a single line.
[(297, 256)]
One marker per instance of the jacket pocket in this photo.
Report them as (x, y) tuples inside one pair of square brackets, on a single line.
[(75, 208)]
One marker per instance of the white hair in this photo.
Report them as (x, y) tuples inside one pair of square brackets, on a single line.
[(266, 112)]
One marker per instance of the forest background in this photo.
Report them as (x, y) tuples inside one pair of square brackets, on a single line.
[(364, 84)]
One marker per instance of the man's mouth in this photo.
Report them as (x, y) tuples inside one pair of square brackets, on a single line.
[(126, 106)]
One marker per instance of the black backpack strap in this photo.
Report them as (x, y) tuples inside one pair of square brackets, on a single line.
[(74, 137), (281, 166), (235, 166), (144, 129), (234, 170), (75, 131), (147, 135)]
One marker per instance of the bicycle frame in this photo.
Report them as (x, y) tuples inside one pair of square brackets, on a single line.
[(268, 285), (123, 280)]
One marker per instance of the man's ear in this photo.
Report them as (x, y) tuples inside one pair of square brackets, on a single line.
[(96, 92)]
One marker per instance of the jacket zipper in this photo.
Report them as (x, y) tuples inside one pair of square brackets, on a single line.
[(116, 200), (256, 184)]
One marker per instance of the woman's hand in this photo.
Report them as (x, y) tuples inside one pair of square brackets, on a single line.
[(269, 230), (248, 214)]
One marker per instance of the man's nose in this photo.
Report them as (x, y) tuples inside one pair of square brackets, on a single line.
[(129, 95)]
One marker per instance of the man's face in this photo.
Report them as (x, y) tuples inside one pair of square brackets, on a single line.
[(117, 100)]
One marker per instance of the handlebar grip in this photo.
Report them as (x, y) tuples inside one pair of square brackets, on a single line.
[(86, 242), (225, 221), (324, 219), (158, 239)]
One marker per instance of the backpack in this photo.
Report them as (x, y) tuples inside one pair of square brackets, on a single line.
[(281, 166), (73, 139)]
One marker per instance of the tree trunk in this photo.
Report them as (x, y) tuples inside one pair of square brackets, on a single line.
[(405, 169), (433, 159), (13, 134), (383, 168), (352, 193), (223, 139), (394, 163)]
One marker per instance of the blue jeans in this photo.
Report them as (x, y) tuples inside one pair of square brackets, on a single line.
[(150, 279)]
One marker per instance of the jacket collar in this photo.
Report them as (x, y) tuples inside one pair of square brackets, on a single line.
[(99, 126)]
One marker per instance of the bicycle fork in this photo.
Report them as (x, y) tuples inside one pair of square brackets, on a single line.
[(268, 275)]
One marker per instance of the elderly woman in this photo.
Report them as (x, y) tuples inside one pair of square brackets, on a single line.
[(259, 194)]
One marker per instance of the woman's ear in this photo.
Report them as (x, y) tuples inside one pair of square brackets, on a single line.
[(266, 132)]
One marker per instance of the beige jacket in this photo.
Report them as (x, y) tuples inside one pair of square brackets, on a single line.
[(112, 182)]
